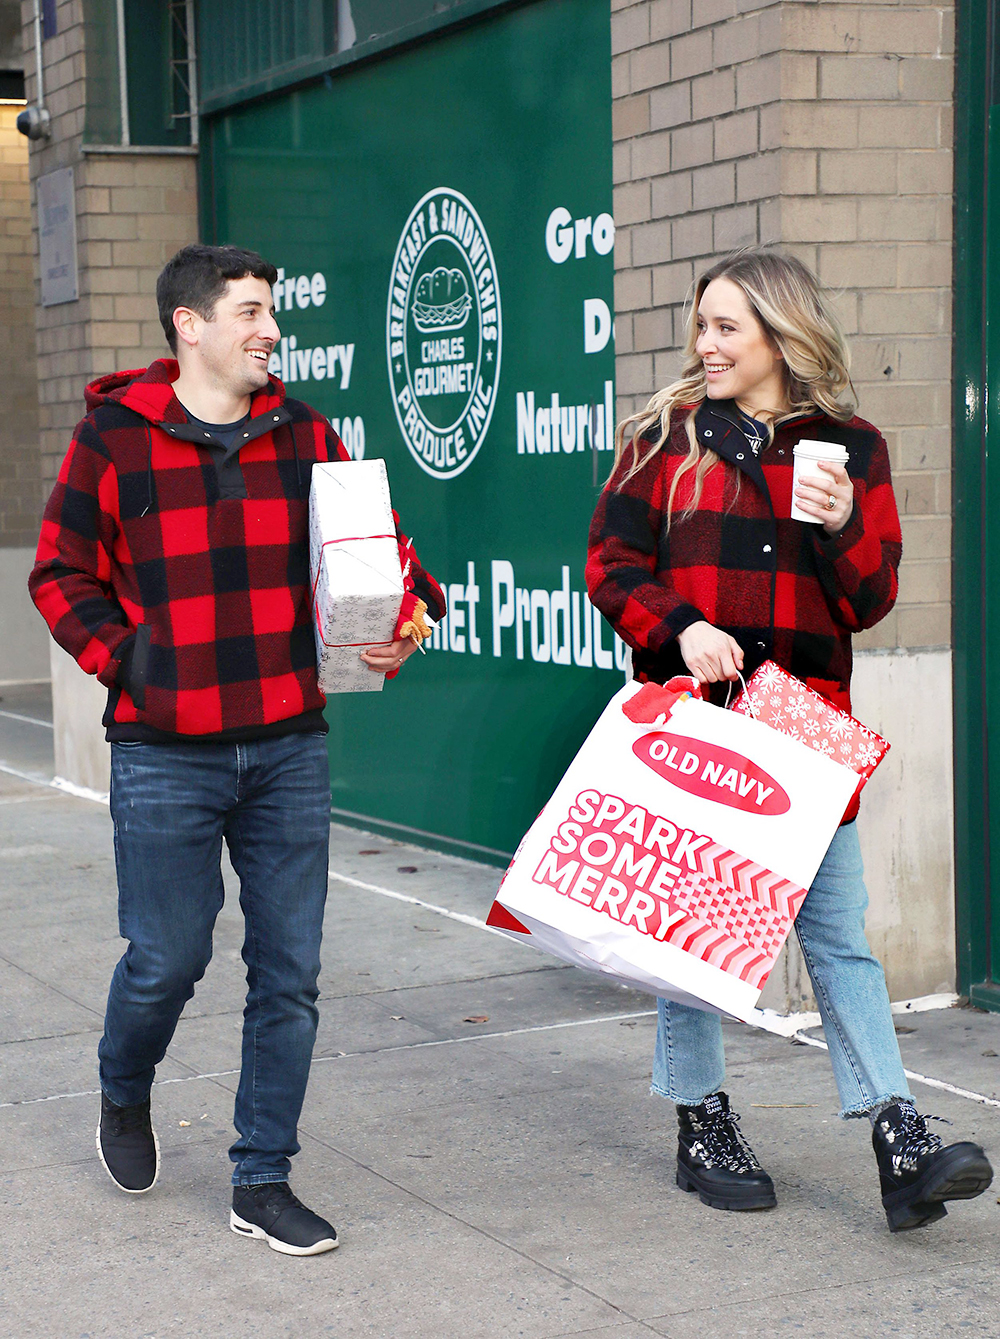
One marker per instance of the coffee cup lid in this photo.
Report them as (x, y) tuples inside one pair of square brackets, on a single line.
[(817, 450)]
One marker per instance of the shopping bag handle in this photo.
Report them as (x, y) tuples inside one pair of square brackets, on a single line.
[(729, 693)]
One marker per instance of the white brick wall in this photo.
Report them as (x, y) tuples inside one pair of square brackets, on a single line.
[(827, 128), (133, 211), (20, 473)]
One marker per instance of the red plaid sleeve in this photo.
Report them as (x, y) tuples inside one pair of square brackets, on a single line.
[(71, 582), (420, 587), (418, 583), (859, 566), (628, 546)]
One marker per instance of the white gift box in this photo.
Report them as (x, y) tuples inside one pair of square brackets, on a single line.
[(355, 578)]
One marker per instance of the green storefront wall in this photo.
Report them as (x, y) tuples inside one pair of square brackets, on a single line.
[(976, 561), (445, 214)]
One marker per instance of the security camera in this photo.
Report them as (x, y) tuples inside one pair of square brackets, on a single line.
[(35, 122)]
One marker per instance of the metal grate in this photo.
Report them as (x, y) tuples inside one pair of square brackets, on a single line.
[(183, 67), (241, 45)]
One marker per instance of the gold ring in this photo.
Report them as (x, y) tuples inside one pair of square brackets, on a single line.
[(832, 503)]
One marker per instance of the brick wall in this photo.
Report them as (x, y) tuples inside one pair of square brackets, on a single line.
[(826, 128), (133, 211), (20, 475)]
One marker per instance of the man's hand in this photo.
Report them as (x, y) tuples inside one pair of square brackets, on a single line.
[(710, 654), (385, 659)]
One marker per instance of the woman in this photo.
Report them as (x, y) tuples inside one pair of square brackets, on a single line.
[(695, 563)]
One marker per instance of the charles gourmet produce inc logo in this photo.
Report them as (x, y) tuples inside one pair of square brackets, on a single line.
[(443, 333)]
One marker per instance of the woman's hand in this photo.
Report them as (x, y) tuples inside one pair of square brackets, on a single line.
[(830, 500), (710, 654), (385, 659)]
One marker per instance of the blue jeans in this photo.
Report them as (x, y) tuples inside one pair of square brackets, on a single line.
[(849, 983), (173, 805)]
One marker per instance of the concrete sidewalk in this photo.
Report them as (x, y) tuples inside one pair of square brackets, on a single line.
[(494, 1178)]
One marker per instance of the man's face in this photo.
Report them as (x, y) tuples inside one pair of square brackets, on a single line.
[(232, 349)]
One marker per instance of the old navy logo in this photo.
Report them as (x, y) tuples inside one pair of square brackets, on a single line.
[(712, 772)]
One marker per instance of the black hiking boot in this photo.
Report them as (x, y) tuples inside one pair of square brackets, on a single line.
[(714, 1158), (917, 1174), (128, 1147), (271, 1212)]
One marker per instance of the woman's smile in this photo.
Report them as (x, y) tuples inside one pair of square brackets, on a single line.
[(741, 362)]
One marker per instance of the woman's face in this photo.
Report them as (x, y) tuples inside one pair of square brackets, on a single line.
[(740, 361)]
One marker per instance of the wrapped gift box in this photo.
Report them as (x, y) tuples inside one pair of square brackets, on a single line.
[(356, 579), (786, 704)]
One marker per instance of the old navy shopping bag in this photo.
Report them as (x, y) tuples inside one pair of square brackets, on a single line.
[(676, 850)]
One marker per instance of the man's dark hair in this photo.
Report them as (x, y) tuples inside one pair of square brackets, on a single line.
[(197, 277)]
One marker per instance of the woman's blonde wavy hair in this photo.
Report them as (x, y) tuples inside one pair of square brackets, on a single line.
[(785, 297)]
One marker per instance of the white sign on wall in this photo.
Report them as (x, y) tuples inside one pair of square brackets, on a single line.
[(57, 237)]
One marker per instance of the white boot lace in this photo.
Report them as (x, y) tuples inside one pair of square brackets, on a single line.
[(908, 1138), (722, 1142)]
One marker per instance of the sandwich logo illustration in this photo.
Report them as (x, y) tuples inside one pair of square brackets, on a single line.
[(443, 333), (441, 301)]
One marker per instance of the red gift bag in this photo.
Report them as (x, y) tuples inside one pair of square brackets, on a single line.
[(786, 704)]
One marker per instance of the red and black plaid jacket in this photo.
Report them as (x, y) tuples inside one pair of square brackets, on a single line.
[(187, 598), (785, 590)]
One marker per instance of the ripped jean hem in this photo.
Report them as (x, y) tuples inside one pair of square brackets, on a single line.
[(879, 1104), (656, 1091)]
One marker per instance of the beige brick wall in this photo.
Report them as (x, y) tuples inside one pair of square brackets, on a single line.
[(133, 211), (826, 128), (20, 475)]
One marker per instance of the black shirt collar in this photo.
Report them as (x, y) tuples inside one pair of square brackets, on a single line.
[(718, 427)]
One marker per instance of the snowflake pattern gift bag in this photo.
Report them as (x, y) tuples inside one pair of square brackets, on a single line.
[(677, 849), (785, 703)]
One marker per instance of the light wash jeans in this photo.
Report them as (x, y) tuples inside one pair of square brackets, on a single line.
[(849, 983), (173, 805)]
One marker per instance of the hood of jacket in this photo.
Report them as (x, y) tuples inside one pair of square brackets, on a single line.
[(149, 391)]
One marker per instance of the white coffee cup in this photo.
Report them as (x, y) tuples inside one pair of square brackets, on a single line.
[(806, 454)]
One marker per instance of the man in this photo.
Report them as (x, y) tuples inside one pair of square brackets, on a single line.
[(173, 564)]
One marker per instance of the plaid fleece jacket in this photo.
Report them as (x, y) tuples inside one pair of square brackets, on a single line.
[(785, 590), (188, 599)]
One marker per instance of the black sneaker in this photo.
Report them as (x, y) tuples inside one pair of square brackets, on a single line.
[(128, 1147), (917, 1174), (714, 1158), (272, 1212)]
